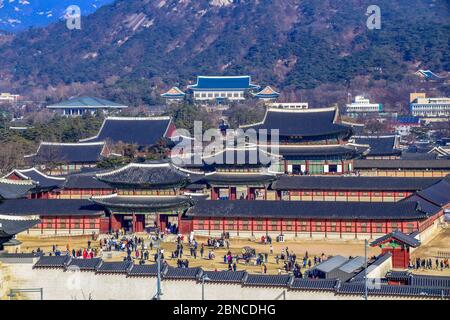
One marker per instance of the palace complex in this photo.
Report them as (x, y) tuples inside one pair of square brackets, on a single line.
[(317, 181)]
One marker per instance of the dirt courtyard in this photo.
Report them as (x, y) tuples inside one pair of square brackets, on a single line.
[(299, 247), (345, 248)]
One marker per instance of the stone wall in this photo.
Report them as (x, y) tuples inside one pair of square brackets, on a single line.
[(58, 284)]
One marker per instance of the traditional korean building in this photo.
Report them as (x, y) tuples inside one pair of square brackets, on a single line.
[(147, 195), (350, 189), (10, 225), (143, 131), (83, 105), (43, 184), (398, 244), (217, 88), (57, 217), (267, 94), (239, 173), (381, 147), (402, 167), (62, 158), (308, 219), (311, 141), (14, 189), (174, 94)]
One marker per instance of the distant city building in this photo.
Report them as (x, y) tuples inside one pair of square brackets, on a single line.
[(217, 88), (288, 105), (421, 106), (363, 105), (6, 97), (174, 94), (267, 94), (79, 106)]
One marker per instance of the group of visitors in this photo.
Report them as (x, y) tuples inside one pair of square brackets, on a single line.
[(439, 264)]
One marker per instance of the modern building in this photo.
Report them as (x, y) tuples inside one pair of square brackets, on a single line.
[(83, 105), (6, 97), (362, 105), (430, 107), (220, 88)]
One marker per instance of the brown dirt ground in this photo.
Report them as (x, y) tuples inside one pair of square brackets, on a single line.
[(314, 248), (440, 243)]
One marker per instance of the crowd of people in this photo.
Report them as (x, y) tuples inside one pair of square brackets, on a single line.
[(428, 264)]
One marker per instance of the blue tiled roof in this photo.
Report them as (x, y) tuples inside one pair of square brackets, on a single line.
[(224, 83)]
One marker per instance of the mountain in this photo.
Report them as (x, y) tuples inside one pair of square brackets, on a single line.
[(18, 15), (131, 50)]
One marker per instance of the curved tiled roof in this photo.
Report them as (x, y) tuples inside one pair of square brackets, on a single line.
[(379, 145), (182, 273), (142, 202), (12, 225), (149, 175), (225, 276), (268, 280), (49, 152), (43, 180), (87, 102), (304, 123), (15, 189), (313, 284), (285, 182), (50, 207), (399, 236), (307, 209), (141, 131)]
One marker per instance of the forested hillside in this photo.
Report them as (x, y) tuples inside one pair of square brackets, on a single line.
[(133, 49)]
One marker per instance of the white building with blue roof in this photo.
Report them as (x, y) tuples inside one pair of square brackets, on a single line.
[(217, 88)]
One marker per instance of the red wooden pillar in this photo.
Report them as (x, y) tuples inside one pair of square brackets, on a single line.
[(214, 193), (134, 222)]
